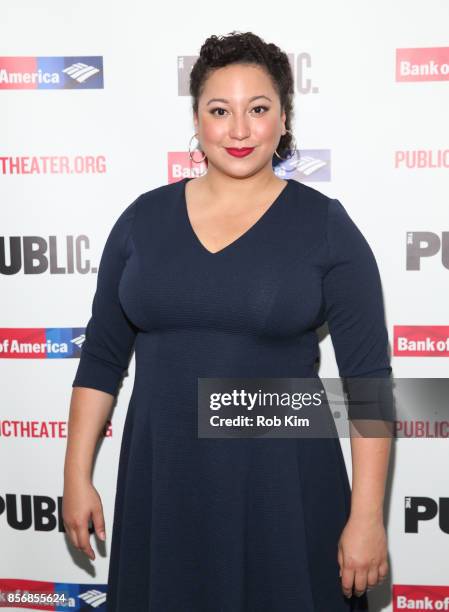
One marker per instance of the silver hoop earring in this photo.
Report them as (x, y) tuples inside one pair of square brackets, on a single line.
[(196, 161), (294, 149)]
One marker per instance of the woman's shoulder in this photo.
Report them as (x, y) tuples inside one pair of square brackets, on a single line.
[(145, 203), (157, 200), (162, 192), (320, 205), (309, 196), (311, 206)]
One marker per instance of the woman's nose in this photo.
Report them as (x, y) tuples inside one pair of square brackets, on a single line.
[(239, 127)]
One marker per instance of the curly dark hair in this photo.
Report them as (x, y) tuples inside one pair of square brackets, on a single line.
[(247, 48)]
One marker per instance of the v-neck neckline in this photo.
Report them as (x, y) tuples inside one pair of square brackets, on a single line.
[(239, 239)]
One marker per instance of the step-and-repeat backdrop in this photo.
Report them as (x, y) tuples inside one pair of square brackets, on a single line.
[(95, 110)]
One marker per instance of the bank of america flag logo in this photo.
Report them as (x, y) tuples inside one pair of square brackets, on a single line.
[(309, 164), (41, 343), (81, 72), (93, 597), (84, 72), (79, 340), (306, 165)]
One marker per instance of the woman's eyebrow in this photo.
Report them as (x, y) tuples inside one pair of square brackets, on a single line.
[(226, 101)]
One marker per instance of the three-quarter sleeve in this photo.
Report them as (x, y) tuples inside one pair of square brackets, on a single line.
[(355, 314), (110, 336)]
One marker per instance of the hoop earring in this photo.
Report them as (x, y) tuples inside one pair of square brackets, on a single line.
[(292, 149), (196, 161)]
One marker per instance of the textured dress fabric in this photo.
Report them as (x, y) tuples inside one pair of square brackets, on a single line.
[(228, 525)]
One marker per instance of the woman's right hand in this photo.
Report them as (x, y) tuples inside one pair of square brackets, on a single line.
[(81, 503)]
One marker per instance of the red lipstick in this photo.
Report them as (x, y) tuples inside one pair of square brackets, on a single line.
[(240, 152)]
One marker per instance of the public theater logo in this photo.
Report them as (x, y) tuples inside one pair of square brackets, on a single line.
[(422, 245), (422, 64), (51, 72), (420, 597), (39, 254), (13, 427), (41, 342), (52, 164), (422, 509), (46, 595), (300, 63), (417, 159), (305, 165), (421, 341)]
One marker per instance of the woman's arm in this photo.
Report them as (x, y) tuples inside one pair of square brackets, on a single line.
[(370, 460), (362, 548), (105, 356), (89, 410), (355, 313)]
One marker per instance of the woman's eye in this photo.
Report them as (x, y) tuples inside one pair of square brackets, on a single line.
[(217, 109), (264, 108)]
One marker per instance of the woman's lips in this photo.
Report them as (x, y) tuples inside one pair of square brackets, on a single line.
[(240, 152)]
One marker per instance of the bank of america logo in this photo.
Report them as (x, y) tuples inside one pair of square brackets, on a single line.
[(51, 72), (81, 72), (41, 343), (306, 165), (79, 340), (93, 597)]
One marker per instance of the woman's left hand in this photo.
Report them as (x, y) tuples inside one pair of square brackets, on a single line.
[(362, 554)]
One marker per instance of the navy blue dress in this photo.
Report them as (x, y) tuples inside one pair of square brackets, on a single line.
[(228, 525)]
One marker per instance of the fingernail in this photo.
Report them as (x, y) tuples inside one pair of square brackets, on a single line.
[(102, 535)]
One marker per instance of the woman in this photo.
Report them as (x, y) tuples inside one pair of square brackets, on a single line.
[(229, 275)]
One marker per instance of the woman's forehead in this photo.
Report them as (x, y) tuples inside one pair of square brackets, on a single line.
[(238, 82)]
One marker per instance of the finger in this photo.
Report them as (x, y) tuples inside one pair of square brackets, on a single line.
[(72, 535), (340, 560), (383, 570), (360, 582), (347, 581), (98, 522), (84, 542), (373, 577)]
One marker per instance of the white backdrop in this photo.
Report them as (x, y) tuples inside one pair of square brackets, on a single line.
[(355, 115)]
